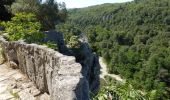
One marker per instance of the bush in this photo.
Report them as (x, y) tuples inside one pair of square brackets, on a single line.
[(51, 45), (24, 26), (74, 42), (116, 91), (28, 6)]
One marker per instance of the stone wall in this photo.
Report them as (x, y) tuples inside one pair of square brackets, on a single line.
[(52, 72)]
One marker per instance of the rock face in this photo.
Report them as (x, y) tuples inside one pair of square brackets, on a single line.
[(57, 38), (16, 86), (2, 60), (91, 66), (52, 72), (88, 60)]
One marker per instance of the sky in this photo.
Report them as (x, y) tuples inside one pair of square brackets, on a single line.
[(86, 3)]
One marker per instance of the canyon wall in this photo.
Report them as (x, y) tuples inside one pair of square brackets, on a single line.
[(52, 72), (84, 55)]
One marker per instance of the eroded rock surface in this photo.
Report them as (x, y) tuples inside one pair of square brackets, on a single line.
[(52, 72), (14, 85)]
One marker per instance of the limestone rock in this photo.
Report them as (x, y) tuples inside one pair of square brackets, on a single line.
[(2, 59), (52, 72), (22, 89), (13, 65)]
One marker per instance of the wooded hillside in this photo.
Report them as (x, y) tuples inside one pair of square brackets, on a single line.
[(134, 39)]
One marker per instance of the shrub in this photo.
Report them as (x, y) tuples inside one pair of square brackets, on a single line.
[(24, 26), (119, 92), (51, 45), (74, 42), (28, 6)]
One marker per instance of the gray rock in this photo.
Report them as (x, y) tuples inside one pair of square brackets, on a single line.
[(52, 72), (13, 65)]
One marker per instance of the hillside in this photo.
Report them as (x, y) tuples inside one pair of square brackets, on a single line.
[(133, 38)]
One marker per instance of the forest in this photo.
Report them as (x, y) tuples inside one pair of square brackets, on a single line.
[(133, 38)]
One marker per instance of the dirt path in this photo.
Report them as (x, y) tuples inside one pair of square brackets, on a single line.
[(15, 86), (104, 72)]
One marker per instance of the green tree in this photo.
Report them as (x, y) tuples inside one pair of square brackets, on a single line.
[(48, 13), (115, 91), (4, 12), (24, 26), (134, 39), (27, 6)]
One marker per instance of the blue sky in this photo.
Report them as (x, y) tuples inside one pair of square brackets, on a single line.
[(85, 3)]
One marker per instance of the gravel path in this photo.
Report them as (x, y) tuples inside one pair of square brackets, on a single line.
[(104, 72), (15, 86)]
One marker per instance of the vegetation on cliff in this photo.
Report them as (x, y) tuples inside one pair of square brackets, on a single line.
[(48, 13), (26, 19), (23, 26)]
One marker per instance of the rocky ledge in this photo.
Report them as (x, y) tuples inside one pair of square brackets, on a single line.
[(52, 72)]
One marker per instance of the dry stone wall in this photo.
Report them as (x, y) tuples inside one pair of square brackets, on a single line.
[(52, 72)]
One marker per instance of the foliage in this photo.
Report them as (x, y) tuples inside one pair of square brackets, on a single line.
[(14, 94), (68, 31), (24, 26), (48, 13), (133, 38), (74, 42), (51, 45), (115, 91), (27, 6), (5, 15)]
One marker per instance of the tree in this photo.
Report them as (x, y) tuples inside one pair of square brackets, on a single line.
[(4, 13), (167, 20), (28, 6), (24, 26), (134, 39), (119, 92), (48, 13), (63, 12)]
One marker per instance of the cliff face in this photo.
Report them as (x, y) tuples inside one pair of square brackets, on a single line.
[(57, 74), (88, 60), (91, 66), (52, 72)]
